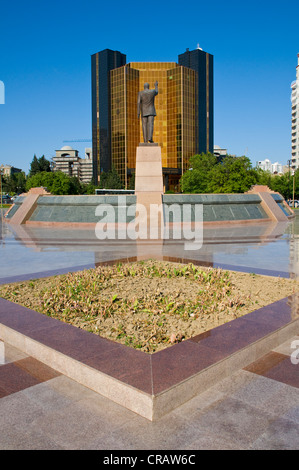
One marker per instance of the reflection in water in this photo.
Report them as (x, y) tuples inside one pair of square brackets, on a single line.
[(293, 235), (267, 247)]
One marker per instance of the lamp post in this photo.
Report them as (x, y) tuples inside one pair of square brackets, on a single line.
[(289, 191), (293, 189)]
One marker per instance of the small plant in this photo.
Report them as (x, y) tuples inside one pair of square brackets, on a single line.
[(141, 304)]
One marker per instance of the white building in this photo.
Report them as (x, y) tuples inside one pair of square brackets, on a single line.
[(8, 170), (219, 152), (277, 168), (86, 171), (274, 168), (264, 165), (295, 120), (68, 161)]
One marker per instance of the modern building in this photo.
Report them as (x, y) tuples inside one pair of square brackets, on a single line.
[(264, 165), (86, 167), (274, 168), (184, 122), (219, 152), (277, 168), (295, 120), (68, 161), (203, 64)]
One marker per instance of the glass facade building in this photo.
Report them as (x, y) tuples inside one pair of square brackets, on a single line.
[(203, 64), (101, 64), (177, 128)]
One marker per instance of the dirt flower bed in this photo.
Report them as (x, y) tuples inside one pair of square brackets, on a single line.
[(149, 305)]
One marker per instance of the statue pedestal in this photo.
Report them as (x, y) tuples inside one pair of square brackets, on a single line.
[(149, 186), (148, 173)]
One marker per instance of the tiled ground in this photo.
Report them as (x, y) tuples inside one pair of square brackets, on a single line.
[(255, 408)]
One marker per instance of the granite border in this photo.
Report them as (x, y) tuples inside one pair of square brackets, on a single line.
[(151, 385)]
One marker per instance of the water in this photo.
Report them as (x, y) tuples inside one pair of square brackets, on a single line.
[(269, 248)]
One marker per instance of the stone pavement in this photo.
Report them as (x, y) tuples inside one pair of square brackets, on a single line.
[(256, 408)]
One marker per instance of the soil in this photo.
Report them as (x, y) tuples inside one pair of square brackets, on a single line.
[(149, 305)]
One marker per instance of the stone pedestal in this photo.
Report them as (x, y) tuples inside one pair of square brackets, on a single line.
[(148, 173), (149, 186)]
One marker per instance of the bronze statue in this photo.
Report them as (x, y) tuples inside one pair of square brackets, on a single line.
[(145, 105)]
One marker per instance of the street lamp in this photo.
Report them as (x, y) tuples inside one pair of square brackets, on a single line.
[(289, 191), (293, 189)]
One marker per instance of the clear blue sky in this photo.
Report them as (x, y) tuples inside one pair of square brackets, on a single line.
[(45, 54)]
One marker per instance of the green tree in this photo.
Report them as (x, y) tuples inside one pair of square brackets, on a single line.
[(56, 183), (16, 183), (132, 182), (39, 165), (34, 166), (89, 188), (76, 187), (232, 175), (39, 179), (264, 177), (44, 164), (111, 180), (283, 184), (61, 184), (197, 178)]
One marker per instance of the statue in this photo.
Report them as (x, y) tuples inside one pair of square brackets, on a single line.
[(145, 105)]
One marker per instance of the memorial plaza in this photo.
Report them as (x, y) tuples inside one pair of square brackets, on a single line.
[(249, 398)]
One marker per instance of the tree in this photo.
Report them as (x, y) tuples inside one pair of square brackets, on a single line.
[(264, 177), (197, 178), (61, 184), (57, 183), (44, 164), (39, 165), (132, 181), (16, 183), (111, 180), (89, 188), (76, 187), (283, 184), (34, 166), (232, 175)]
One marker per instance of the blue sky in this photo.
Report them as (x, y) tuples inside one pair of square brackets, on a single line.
[(45, 54)]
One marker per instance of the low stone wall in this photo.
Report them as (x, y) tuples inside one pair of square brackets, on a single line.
[(248, 207), (217, 207), (77, 209), (81, 209)]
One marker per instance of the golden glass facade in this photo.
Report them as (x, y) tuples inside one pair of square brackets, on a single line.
[(175, 127), (118, 120), (124, 83), (181, 116), (184, 124), (151, 72)]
